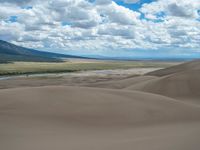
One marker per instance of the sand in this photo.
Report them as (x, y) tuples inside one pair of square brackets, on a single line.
[(182, 85), (147, 112)]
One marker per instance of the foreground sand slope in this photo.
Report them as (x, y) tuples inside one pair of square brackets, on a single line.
[(49, 118)]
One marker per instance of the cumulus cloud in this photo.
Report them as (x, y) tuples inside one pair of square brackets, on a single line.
[(10, 32), (131, 1), (116, 30), (119, 14), (103, 2), (100, 25), (187, 9), (181, 11), (16, 1)]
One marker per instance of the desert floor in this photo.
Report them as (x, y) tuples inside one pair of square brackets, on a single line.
[(152, 109)]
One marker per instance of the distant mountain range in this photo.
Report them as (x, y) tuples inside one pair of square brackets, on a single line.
[(10, 53)]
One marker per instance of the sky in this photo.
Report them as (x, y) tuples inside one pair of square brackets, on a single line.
[(111, 28)]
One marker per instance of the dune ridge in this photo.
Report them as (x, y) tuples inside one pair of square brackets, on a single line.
[(182, 84), (191, 65)]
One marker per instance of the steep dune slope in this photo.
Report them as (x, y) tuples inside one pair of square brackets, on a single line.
[(182, 81), (192, 65)]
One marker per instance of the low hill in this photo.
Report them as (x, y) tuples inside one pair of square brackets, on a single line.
[(10, 52)]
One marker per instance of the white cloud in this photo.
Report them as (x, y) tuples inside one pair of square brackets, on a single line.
[(11, 32), (176, 8), (116, 30), (101, 25), (131, 1), (119, 14), (181, 11), (103, 2)]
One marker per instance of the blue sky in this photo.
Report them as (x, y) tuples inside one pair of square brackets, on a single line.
[(119, 28), (134, 6)]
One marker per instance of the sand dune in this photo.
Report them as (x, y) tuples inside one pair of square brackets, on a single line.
[(192, 65), (123, 83), (140, 113), (60, 118), (184, 84)]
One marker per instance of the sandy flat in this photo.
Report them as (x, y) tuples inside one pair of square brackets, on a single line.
[(83, 78), (146, 112)]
